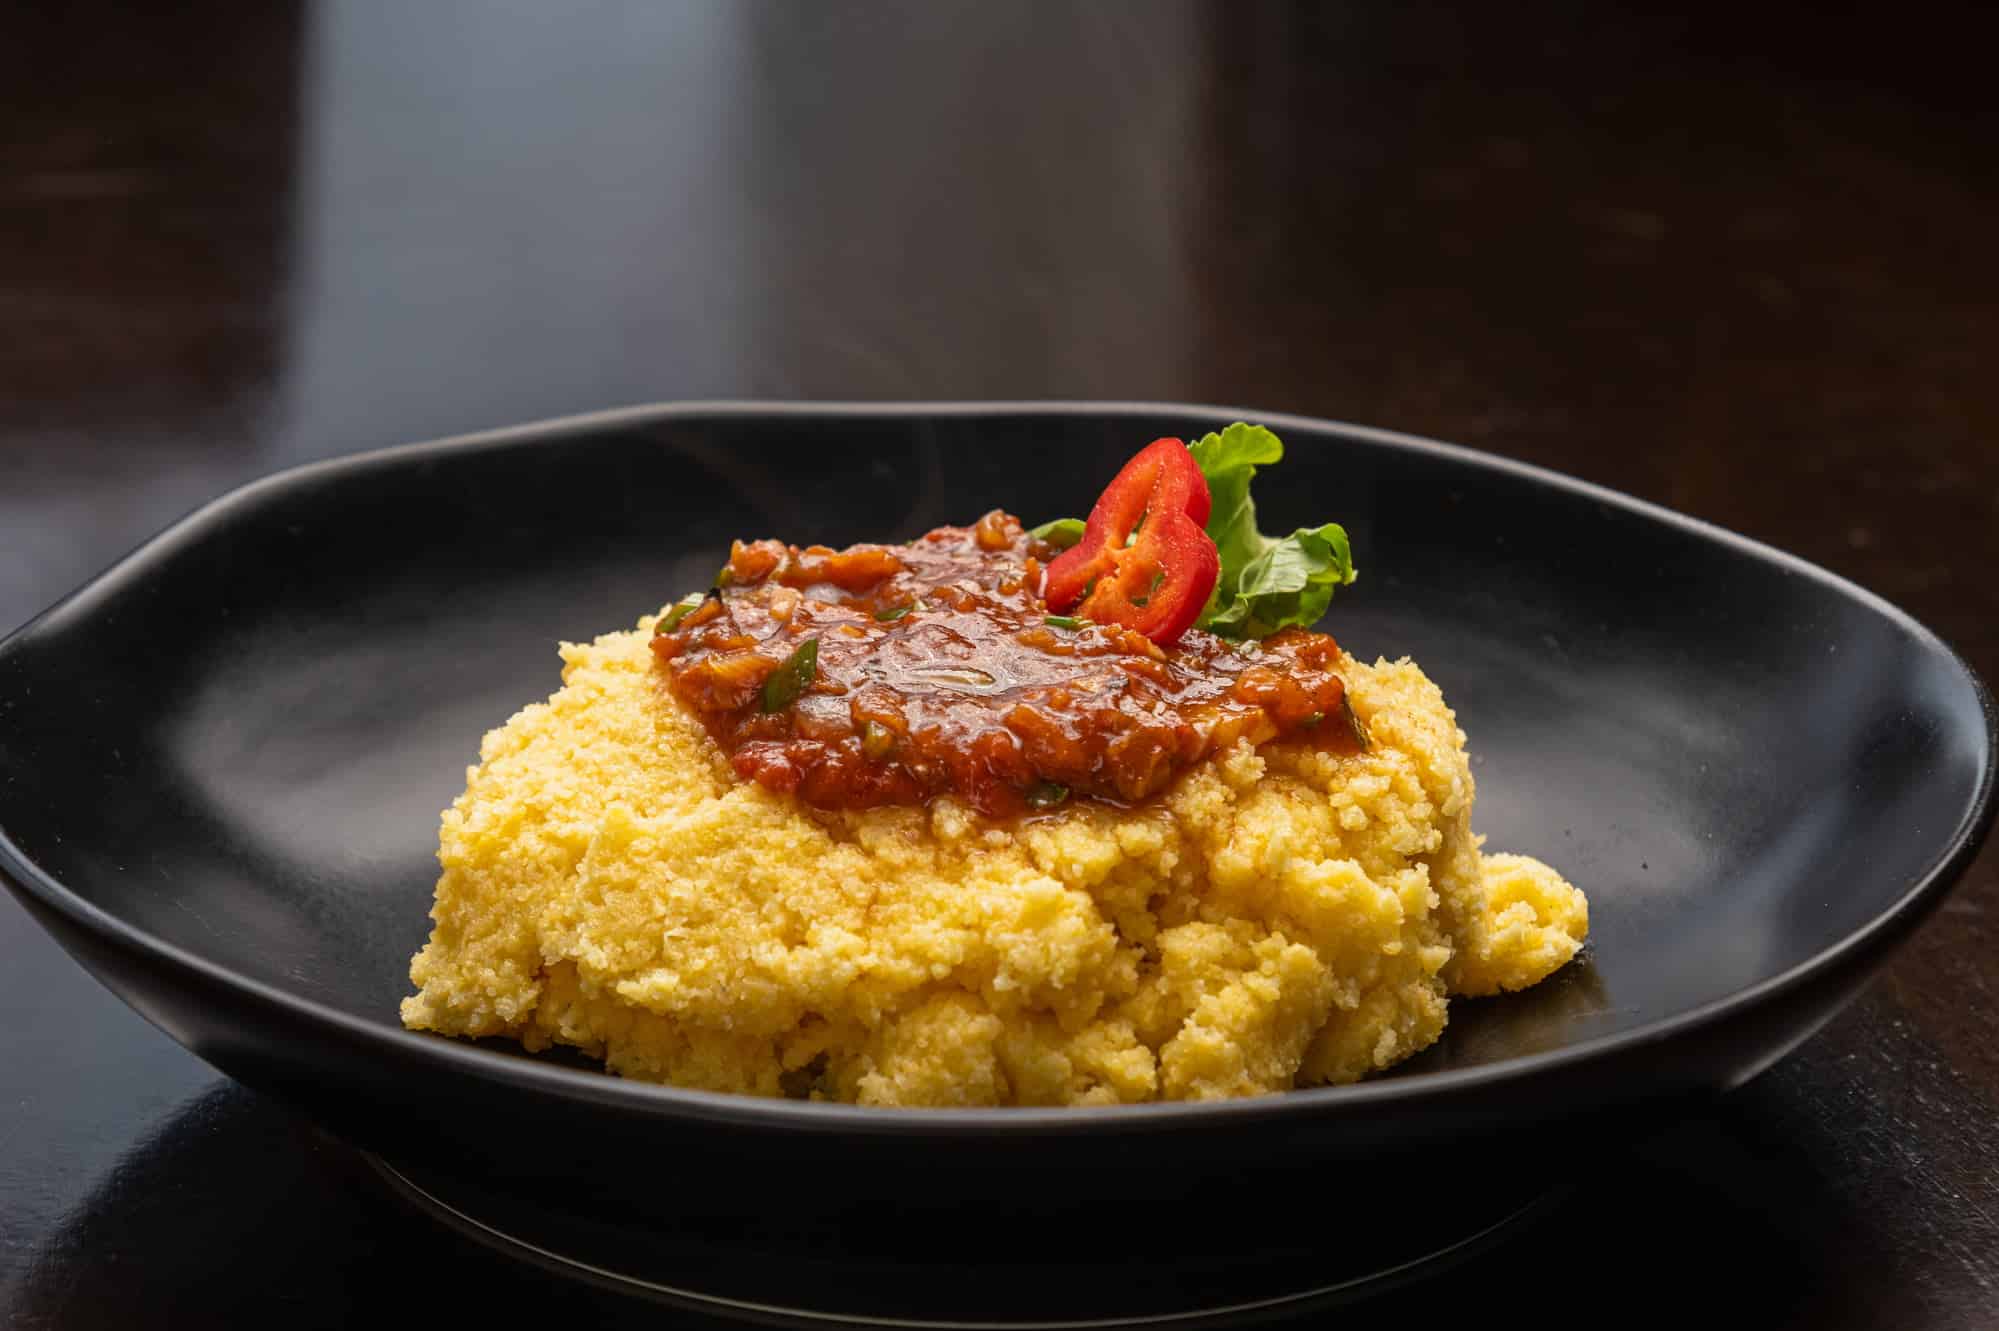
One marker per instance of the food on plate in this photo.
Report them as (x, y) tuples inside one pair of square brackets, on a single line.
[(1083, 814)]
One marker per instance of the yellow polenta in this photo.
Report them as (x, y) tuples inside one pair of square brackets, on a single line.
[(1280, 917)]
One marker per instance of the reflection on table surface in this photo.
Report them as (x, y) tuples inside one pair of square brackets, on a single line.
[(245, 1216)]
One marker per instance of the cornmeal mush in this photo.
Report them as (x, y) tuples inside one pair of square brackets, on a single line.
[(1080, 815)]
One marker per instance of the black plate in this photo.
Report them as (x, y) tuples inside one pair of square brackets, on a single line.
[(221, 765)]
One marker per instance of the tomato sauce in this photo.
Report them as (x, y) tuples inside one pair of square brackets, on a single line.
[(938, 670)]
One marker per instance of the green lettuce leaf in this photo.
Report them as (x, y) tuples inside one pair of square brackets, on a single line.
[(1267, 583), (1290, 582), (1229, 460)]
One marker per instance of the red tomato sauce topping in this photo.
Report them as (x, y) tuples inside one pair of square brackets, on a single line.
[(933, 668)]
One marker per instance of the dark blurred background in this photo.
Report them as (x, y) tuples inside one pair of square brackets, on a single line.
[(1733, 259)]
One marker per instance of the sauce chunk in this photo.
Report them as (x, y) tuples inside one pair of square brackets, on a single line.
[(935, 667)]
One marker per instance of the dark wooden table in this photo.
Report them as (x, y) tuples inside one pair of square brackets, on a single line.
[(1741, 265)]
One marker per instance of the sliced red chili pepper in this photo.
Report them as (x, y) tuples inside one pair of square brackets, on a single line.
[(1145, 560)]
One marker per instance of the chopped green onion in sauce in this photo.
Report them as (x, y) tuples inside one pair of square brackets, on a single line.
[(1355, 724), (1062, 622), (893, 613), (1046, 795), (877, 741), (682, 608), (791, 678), (1061, 533)]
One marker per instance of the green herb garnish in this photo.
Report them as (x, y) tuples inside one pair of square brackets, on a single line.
[(1062, 621), (784, 684), (893, 613), (1061, 533), (1046, 795)]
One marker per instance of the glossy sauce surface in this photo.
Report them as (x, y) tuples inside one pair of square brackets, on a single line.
[(938, 670)]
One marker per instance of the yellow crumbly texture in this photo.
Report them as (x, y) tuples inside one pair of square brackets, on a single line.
[(1281, 917)]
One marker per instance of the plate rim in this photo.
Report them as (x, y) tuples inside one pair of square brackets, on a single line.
[(743, 1111)]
